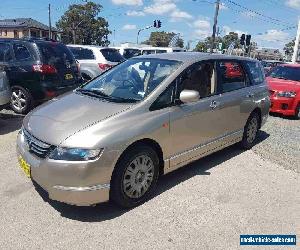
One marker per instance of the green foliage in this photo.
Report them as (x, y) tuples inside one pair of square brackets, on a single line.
[(162, 39), (289, 48), (83, 21)]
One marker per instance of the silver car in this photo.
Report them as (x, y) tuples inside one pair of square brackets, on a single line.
[(93, 60), (4, 90), (112, 138)]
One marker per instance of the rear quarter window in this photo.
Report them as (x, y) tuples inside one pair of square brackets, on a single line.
[(55, 53), (256, 73), (82, 53), (112, 55)]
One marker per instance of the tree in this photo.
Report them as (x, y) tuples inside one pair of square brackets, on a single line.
[(81, 24), (162, 39), (232, 37), (204, 46), (289, 48)]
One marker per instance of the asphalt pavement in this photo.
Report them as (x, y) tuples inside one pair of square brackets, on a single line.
[(205, 205)]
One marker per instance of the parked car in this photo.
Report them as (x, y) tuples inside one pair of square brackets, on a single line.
[(94, 60), (4, 90), (284, 85), (113, 137), (37, 70), (269, 64)]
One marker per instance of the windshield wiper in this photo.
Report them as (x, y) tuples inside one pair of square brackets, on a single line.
[(99, 93)]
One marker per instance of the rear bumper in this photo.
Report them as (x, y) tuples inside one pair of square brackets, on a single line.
[(284, 106)]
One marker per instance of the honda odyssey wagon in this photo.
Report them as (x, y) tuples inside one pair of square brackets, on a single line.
[(112, 138)]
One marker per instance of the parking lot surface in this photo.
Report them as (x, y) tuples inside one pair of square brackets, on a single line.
[(205, 205)]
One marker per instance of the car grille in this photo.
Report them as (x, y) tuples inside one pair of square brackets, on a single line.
[(37, 147)]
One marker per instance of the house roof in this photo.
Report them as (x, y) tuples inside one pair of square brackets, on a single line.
[(23, 23)]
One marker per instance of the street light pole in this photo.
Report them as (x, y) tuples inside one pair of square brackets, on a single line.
[(215, 26), (73, 31), (137, 37), (49, 17), (296, 47)]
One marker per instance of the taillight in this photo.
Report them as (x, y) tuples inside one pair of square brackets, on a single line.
[(44, 68), (103, 66)]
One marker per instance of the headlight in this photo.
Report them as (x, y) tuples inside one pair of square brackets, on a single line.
[(288, 94), (74, 154)]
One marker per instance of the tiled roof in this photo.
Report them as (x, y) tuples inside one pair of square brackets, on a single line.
[(23, 22)]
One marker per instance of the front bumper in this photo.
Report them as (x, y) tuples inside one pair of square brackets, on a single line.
[(283, 105), (76, 183)]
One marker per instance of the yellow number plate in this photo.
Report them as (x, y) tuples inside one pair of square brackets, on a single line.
[(25, 166), (68, 76)]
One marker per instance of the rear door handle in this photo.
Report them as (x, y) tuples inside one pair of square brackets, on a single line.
[(213, 104)]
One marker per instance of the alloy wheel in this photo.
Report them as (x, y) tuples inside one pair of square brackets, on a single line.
[(18, 100), (252, 130)]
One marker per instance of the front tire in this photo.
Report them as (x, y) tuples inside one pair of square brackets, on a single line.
[(135, 177), (250, 131), (21, 100)]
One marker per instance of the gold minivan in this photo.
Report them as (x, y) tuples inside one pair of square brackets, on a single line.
[(112, 138)]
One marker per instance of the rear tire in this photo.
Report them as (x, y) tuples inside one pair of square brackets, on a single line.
[(250, 131), (135, 177), (21, 100)]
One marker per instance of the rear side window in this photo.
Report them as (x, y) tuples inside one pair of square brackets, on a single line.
[(256, 73), (21, 52), (112, 55), (128, 53), (4, 52), (82, 53), (231, 76), (55, 53)]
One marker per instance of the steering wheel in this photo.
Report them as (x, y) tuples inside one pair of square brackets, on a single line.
[(132, 85)]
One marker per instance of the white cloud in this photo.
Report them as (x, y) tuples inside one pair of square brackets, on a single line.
[(202, 28), (295, 4), (160, 7), (223, 6), (128, 2), (129, 27), (169, 8), (178, 15), (135, 13), (274, 36), (227, 30)]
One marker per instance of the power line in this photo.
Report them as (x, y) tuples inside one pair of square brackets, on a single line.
[(257, 13)]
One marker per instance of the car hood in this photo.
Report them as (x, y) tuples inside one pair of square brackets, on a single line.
[(276, 84), (56, 120)]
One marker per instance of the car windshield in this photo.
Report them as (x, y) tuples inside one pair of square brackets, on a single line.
[(132, 80), (284, 72)]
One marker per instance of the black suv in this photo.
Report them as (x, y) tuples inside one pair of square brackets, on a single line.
[(37, 70)]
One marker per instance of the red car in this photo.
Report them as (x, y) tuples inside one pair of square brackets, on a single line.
[(284, 86)]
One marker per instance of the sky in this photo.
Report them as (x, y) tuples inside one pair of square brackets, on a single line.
[(272, 23)]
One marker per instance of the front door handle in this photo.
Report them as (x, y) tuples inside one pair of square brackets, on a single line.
[(213, 104)]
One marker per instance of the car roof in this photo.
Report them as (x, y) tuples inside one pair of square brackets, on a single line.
[(194, 56), (88, 46)]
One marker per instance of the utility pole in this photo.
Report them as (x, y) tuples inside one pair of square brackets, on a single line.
[(295, 57), (49, 15), (215, 26)]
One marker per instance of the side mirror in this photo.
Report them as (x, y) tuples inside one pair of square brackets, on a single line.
[(187, 96)]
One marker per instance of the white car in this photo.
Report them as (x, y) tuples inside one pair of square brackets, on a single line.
[(4, 90), (94, 60)]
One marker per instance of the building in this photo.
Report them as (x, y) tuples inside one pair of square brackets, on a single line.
[(25, 27), (268, 54)]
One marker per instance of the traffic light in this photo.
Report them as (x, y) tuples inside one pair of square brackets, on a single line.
[(154, 24), (158, 24), (248, 39), (242, 40)]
